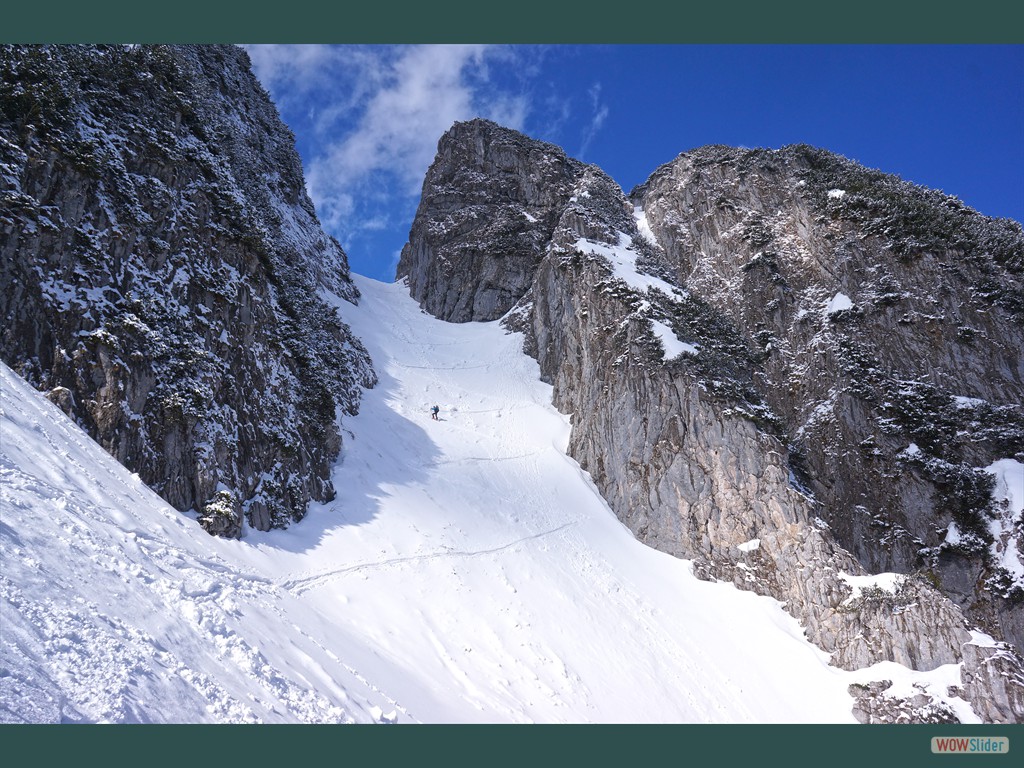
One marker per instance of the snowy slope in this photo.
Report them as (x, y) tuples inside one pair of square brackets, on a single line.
[(117, 608), (466, 572)]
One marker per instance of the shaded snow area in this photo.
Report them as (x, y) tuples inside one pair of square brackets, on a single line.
[(467, 572)]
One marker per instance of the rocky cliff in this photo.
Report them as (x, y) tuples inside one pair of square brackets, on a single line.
[(490, 203), (164, 271), (792, 370), (887, 322)]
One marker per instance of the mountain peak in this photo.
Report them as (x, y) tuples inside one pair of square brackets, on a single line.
[(747, 346)]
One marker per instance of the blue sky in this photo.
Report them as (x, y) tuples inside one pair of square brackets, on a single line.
[(367, 118)]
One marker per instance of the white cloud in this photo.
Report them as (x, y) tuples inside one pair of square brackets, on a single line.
[(378, 112), (285, 69), (293, 73), (398, 131)]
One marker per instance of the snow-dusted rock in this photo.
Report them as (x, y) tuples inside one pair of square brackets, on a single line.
[(162, 269), (882, 316), (490, 202)]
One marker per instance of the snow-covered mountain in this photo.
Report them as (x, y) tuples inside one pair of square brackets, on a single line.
[(467, 572), (744, 445), (779, 364)]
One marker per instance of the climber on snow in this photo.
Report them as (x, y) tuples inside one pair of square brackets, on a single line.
[(433, 413)]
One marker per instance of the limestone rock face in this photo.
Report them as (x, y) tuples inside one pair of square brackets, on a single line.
[(888, 321), (163, 270), (993, 682), (714, 392)]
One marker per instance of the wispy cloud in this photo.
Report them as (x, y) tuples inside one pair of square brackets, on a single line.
[(295, 73), (599, 112), (377, 113)]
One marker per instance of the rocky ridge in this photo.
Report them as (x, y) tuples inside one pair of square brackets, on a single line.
[(165, 272), (724, 340), (886, 323)]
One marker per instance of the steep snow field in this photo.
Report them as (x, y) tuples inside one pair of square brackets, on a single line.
[(467, 572)]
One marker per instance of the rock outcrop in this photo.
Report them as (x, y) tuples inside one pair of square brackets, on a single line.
[(163, 273), (490, 203), (734, 395)]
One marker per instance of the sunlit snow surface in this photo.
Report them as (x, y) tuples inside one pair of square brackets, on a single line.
[(1009, 495), (467, 571)]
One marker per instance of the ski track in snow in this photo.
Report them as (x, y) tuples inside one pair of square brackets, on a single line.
[(299, 585), (467, 571)]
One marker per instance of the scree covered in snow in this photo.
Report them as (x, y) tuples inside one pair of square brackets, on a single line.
[(467, 572)]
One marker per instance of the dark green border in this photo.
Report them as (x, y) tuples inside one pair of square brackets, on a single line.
[(515, 21), (490, 746), (525, 21)]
